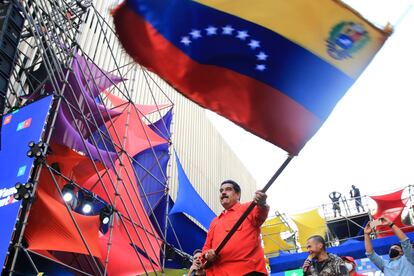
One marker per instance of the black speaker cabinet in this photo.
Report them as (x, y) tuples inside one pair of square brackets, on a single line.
[(11, 26)]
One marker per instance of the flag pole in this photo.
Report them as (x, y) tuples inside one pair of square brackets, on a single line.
[(251, 206)]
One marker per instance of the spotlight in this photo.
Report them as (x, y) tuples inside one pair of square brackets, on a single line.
[(105, 214), (36, 150), (24, 191), (86, 202), (86, 207), (68, 192)]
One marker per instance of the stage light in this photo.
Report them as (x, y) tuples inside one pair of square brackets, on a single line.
[(86, 207), (68, 192), (36, 150), (105, 214), (24, 191), (86, 204)]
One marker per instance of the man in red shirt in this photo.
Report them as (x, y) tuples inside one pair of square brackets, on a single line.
[(243, 254)]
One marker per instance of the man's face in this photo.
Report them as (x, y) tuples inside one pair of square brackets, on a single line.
[(197, 259), (396, 247), (314, 248), (228, 196)]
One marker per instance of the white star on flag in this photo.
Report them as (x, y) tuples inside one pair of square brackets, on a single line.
[(261, 56), (185, 40), (227, 30), (242, 35), (260, 67), (195, 34), (254, 44), (211, 30)]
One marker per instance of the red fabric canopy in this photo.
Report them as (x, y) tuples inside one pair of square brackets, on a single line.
[(391, 206), (130, 124), (68, 161), (124, 260), (143, 236), (50, 226)]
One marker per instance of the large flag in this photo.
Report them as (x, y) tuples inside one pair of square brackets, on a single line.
[(276, 68)]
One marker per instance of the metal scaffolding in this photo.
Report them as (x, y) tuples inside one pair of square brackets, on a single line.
[(49, 49)]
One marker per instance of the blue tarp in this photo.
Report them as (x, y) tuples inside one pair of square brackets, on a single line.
[(162, 126), (353, 248), (151, 169), (189, 201), (182, 233), (151, 166)]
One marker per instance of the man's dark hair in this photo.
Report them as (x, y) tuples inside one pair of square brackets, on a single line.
[(397, 244), (319, 239), (197, 251), (236, 186)]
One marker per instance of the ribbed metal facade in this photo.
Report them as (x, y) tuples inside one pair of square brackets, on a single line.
[(205, 156)]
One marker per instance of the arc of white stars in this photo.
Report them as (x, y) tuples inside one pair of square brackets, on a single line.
[(211, 30), (260, 67), (242, 35), (195, 34), (254, 44), (262, 56), (185, 40), (227, 30)]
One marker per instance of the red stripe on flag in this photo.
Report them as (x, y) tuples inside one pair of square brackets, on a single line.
[(255, 106)]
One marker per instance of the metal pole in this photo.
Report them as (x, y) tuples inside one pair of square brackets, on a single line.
[(252, 205)]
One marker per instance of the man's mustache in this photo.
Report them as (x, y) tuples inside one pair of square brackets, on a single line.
[(224, 196)]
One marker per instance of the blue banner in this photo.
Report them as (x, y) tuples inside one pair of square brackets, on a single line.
[(18, 129)]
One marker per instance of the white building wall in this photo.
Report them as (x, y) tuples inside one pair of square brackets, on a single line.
[(205, 156)]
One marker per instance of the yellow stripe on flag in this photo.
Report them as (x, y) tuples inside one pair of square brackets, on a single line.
[(309, 23)]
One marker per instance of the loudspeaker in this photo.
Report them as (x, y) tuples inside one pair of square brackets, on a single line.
[(11, 26)]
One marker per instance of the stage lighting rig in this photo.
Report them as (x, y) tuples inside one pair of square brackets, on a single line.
[(36, 150), (24, 190)]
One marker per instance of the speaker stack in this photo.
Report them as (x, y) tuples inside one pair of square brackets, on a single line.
[(11, 26)]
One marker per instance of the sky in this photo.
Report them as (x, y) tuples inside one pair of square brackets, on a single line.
[(367, 141)]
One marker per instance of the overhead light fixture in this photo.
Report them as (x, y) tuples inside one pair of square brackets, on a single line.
[(36, 150), (68, 192), (86, 205), (24, 191), (105, 214)]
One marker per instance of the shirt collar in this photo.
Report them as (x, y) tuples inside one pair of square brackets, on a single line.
[(233, 208)]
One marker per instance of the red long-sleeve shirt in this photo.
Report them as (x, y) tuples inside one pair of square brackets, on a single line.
[(243, 253)]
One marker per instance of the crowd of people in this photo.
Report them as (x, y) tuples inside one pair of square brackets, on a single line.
[(244, 255)]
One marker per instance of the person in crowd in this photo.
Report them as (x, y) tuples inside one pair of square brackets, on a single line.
[(197, 265), (356, 195), (243, 254), (351, 265), (335, 196), (320, 262), (401, 255)]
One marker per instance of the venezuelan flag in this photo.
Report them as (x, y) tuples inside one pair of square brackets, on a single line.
[(275, 67)]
